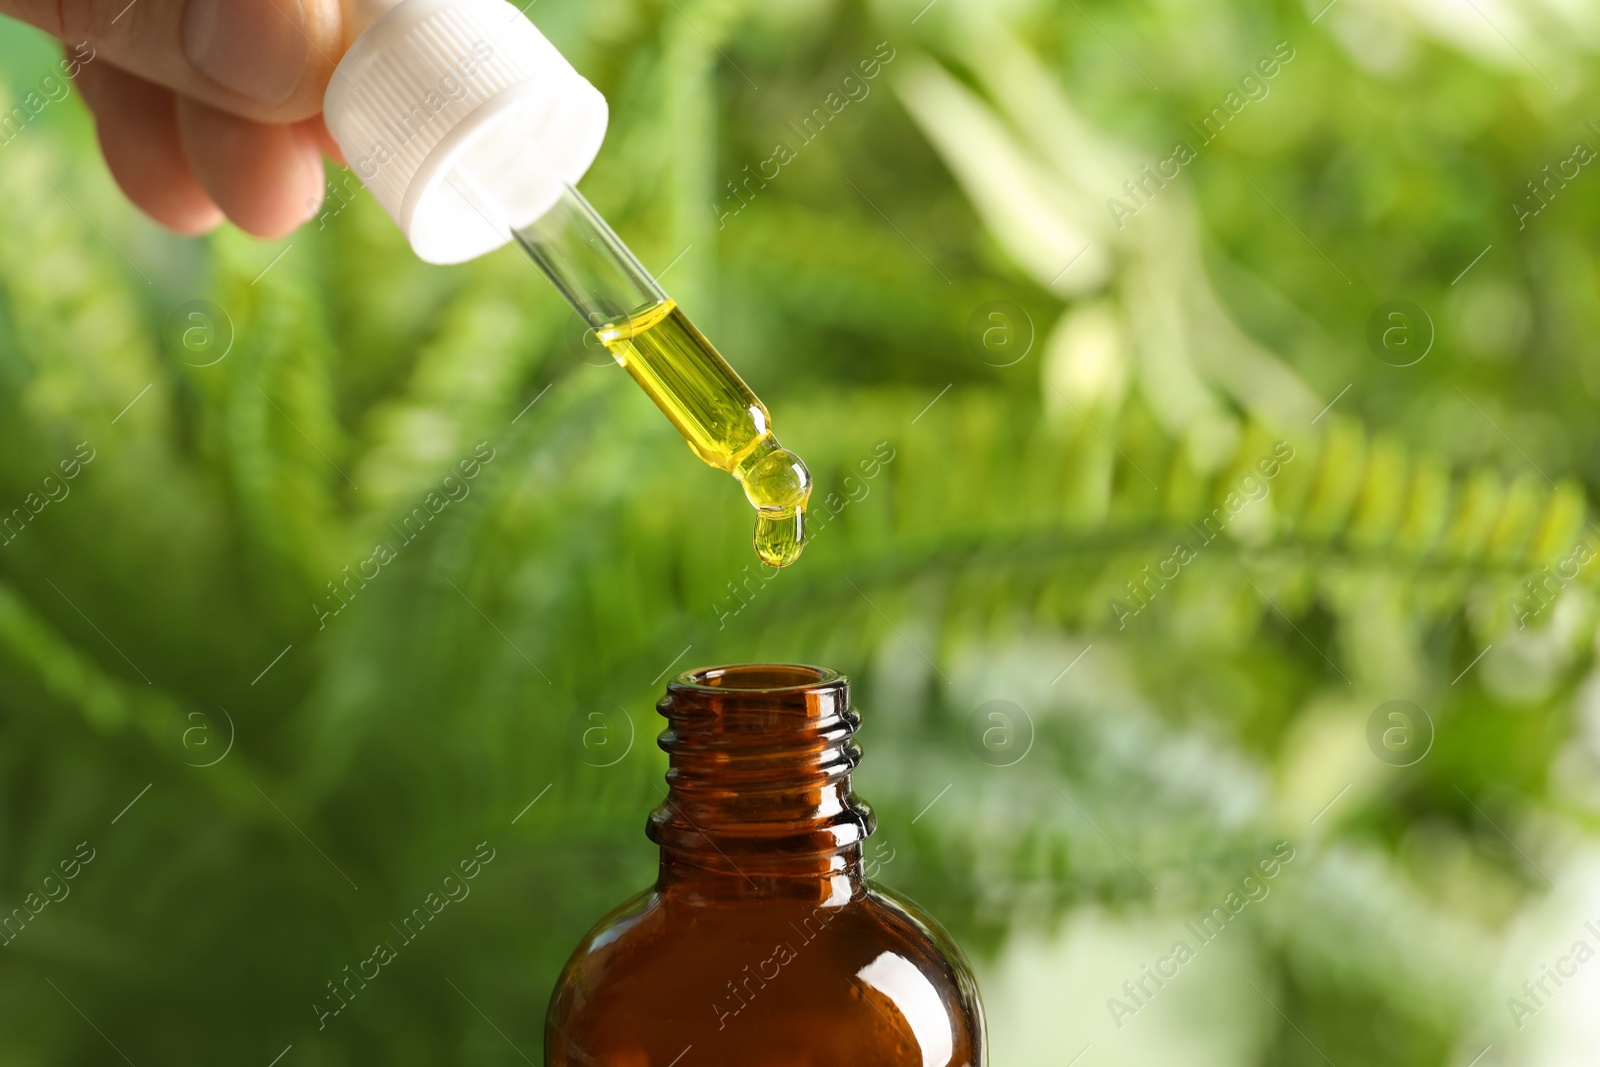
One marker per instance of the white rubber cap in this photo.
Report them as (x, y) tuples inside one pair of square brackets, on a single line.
[(463, 121)]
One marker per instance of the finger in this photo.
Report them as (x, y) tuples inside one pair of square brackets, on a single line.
[(316, 131), (268, 179), (269, 60), (138, 127)]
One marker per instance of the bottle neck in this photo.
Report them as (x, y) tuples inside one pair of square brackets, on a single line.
[(759, 802)]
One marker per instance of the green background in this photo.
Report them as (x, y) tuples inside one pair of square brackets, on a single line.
[(940, 270)]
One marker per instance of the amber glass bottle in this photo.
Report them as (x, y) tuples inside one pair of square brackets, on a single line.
[(762, 944)]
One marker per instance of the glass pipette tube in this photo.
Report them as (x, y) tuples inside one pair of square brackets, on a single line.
[(645, 331)]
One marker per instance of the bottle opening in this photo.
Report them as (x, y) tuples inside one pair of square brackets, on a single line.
[(759, 677), (759, 780)]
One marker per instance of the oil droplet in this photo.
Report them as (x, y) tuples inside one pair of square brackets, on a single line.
[(780, 538), (778, 486)]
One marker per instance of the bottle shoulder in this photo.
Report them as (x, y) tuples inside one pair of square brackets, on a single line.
[(871, 980)]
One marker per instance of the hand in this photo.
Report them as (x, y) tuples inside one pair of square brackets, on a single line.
[(205, 108)]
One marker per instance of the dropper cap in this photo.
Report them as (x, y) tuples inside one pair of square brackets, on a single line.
[(461, 118)]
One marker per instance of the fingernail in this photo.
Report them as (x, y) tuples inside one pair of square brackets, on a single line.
[(257, 48)]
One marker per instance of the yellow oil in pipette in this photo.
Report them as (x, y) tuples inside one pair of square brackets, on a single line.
[(645, 331), (725, 424)]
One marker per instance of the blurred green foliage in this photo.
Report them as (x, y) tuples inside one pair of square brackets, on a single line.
[(163, 608)]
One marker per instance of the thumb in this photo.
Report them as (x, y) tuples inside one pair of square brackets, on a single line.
[(267, 60)]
